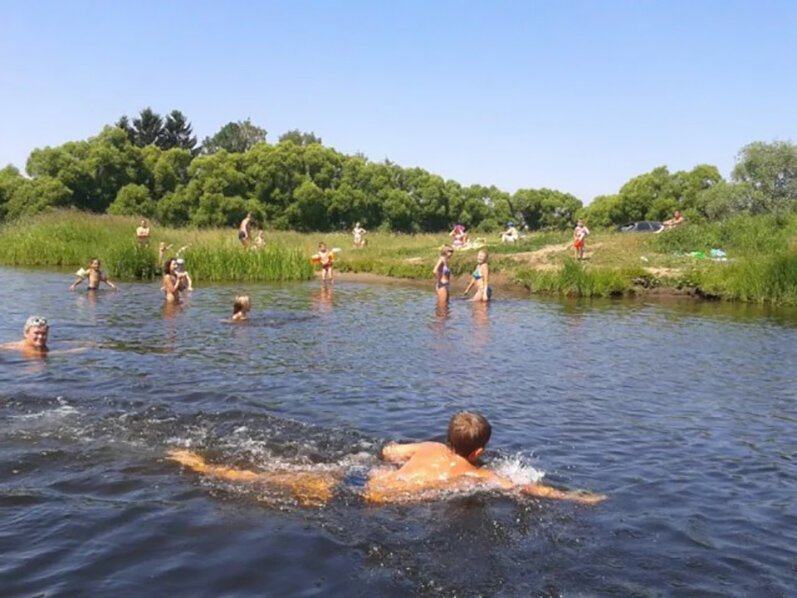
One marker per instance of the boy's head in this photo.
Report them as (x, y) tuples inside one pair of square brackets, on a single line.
[(580, 223), (468, 434)]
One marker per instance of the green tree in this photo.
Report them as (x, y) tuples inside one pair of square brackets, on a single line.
[(177, 133), (299, 138), (147, 128), (10, 180), (133, 200), (770, 168), (234, 137), (36, 195)]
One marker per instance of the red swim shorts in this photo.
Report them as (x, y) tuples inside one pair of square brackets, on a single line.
[(578, 243)]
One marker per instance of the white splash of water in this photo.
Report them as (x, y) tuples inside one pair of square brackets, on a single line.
[(517, 469)]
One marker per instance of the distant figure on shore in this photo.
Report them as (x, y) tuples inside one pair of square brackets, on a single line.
[(510, 235), (142, 232), (243, 230), (359, 236), (94, 275), (442, 274), (170, 287), (34, 338), (481, 279), (676, 220), (184, 282), (162, 249), (459, 238), (580, 234), (260, 241), (415, 472), (240, 308), (326, 258)]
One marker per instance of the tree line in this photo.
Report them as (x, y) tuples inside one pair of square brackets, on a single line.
[(153, 167)]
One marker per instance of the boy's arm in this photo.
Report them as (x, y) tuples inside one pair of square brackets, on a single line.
[(398, 453), (108, 282), (543, 491), (74, 284)]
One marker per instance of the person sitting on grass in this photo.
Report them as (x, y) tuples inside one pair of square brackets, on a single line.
[(424, 470), (510, 235), (676, 220), (94, 275)]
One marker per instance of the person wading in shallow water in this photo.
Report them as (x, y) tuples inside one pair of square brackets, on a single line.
[(425, 468)]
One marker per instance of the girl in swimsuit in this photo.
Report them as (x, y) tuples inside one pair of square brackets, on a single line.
[(481, 278), (442, 273), (170, 285)]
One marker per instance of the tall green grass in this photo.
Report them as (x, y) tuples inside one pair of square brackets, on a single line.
[(72, 238), (575, 279)]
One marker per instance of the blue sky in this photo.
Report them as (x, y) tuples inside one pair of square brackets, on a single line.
[(577, 96)]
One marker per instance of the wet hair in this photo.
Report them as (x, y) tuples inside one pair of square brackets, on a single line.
[(35, 322), (167, 265), (467, 432), (240, 304), (445, 249)]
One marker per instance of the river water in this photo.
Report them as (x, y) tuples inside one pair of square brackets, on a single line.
[(683, 414)]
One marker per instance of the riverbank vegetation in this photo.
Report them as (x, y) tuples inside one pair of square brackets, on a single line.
[(82, 199), (759, 262)]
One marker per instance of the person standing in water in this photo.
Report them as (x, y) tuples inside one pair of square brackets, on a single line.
[(243, 230), (94, 275), (442, 273), (480, 278), (171, 286), (326, 258)]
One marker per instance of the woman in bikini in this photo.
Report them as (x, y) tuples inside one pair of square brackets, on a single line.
[(480, 278), (442, 273)]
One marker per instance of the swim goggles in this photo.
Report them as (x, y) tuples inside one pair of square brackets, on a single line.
[(36, 322)]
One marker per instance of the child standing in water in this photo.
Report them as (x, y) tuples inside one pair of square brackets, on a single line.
[(579, 238), (326, 258), (240, 308), (426, 469), (171, 288), (94, 275), (442, 273), (480, 278)]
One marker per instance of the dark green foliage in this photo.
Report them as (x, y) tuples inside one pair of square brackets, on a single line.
[(235, 137)]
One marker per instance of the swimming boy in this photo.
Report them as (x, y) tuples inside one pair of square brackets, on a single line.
[(426, 468), (94, 275), (240, 308)]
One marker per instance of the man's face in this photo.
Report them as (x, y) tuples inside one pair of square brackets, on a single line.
[(36, 336)]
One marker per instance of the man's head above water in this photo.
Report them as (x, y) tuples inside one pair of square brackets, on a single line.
[(35, 332)]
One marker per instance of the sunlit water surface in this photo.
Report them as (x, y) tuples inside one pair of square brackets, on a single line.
[(683, 414)]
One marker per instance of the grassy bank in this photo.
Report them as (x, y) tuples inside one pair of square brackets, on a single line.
[(761, 251)]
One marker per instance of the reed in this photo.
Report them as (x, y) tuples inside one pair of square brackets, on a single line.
[(574, 279)]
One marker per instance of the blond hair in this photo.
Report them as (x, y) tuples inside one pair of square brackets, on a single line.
[(241, 304)]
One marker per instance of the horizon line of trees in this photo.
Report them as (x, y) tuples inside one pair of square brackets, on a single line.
[(151, 166)]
